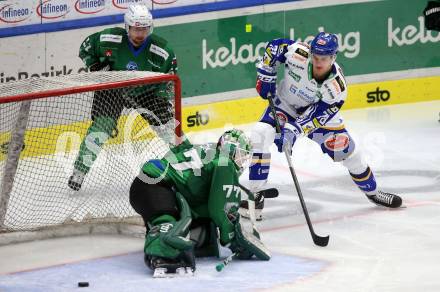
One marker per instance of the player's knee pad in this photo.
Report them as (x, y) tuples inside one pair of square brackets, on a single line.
[(337, 144), (152, 200)]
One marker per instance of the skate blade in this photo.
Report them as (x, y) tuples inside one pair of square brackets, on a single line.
[(180, 272)]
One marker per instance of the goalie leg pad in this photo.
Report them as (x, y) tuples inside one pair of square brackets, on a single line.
[(247, 243)]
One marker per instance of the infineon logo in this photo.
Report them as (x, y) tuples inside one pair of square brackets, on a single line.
[(89, 6), (12, 14), (51, 10), (123, 4)]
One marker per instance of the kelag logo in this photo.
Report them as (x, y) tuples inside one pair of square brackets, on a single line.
[(123, 4), (197, 119), (52, 10), (378, 95), (13, 14), (89, 6)]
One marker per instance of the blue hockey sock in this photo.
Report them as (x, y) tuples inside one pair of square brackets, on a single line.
[(365, 181)]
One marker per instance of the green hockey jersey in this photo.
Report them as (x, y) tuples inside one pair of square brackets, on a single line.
[(205, 177), (111, 46)]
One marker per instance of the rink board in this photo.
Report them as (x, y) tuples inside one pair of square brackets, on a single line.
[(226, 114), (365, 95), (129, 273)]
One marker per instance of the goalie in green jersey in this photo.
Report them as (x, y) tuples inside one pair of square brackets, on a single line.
[(189, 194), (134, 48)]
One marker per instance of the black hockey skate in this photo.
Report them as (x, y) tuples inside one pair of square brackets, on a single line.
[(182, 266), (385, 200), (76, 180)]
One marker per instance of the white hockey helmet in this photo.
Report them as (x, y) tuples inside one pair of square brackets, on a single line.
[(138, 15)]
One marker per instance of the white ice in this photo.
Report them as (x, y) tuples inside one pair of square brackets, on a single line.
[(370, 248)]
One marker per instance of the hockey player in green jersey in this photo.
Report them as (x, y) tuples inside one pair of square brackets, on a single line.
[(119, 49), (183, 199)]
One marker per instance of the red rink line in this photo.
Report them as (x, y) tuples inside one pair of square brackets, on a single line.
[(298, 171), (408, 204), (67, 263)]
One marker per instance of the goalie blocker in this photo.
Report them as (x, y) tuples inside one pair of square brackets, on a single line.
[(259, 198)]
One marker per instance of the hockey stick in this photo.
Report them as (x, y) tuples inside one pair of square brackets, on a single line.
[(318, 240), (268, 193), (224, 263)]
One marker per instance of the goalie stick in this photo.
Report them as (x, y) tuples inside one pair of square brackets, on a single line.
[(318, 240), (268, 193), (224, 263)]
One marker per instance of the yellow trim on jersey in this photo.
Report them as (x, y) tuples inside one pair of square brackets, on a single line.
[(341, 127), (260, 160), (364, 178)]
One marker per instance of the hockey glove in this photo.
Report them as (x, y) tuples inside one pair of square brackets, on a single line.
[(287, 138), (99, 67), (266, 83), (245, 244), (432, 15)]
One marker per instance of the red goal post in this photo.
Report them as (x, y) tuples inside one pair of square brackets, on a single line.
[(43, 122)]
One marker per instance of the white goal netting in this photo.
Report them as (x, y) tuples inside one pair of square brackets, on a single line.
[(104, 124)]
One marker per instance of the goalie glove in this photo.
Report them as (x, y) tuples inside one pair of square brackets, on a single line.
[(266, 83)]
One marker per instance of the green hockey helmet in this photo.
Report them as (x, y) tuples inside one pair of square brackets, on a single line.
[(237, 145)]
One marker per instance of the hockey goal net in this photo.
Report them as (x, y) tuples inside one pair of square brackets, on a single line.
[(112, 122)]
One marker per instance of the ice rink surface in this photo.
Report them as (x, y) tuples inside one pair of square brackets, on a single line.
[(370, 248)]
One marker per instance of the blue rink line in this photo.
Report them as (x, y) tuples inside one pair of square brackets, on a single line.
[(129, 273)]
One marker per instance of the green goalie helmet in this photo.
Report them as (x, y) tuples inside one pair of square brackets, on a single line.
[(237, 145)]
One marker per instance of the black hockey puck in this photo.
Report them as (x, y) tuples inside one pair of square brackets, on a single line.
[(83, 284)]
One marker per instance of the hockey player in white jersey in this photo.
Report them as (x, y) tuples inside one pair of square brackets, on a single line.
[(307, 102)]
